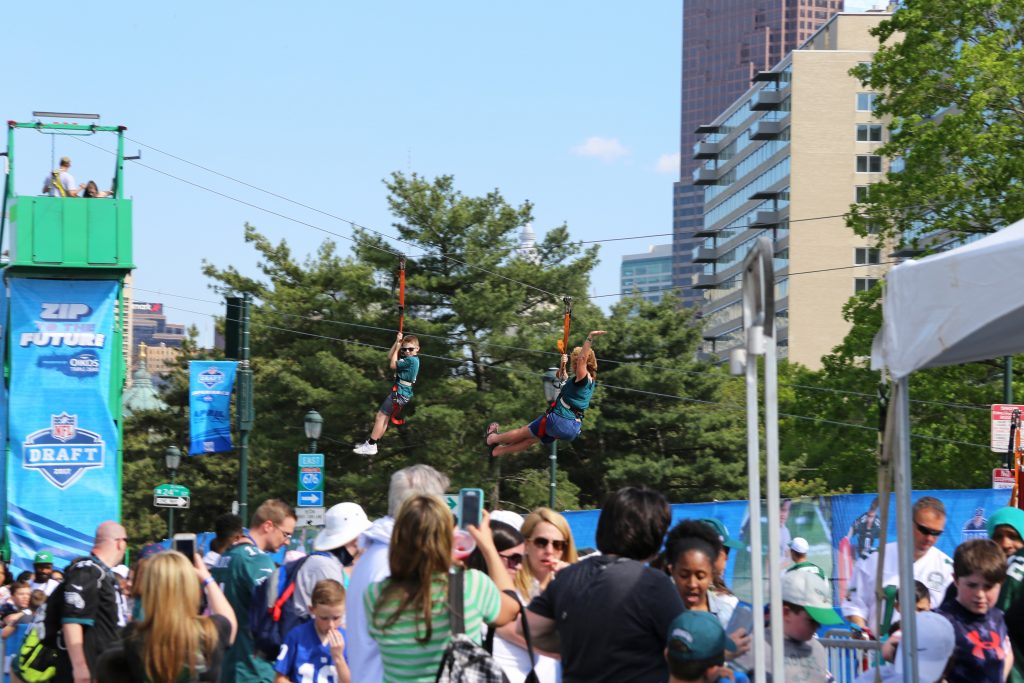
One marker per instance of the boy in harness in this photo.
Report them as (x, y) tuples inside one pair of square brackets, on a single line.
[(564, 417), (406, 365)]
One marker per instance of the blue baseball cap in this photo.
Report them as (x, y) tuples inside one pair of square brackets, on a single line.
[(697, 636), (723, 533)]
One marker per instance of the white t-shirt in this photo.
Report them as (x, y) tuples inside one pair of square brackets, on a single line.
[(46, 587), (515, 660), (66, 180), (934, 570)]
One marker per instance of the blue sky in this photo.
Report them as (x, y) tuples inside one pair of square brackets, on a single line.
[(573, 105)]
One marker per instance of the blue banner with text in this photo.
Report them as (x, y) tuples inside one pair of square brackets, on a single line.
[(209, 405), (64, 440)]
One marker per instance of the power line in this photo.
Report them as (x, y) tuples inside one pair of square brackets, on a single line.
[(727, 406), (473, 342)]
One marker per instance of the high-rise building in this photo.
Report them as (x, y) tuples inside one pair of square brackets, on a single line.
[(725, 43), (162, 339), (648, 274), (785, 161)]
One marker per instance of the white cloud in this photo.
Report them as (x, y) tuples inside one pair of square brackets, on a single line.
[(668, 163), (605, 149)]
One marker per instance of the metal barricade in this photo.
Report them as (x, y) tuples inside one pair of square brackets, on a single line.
[(848, 657)]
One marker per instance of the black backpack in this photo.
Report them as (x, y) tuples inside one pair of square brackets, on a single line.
[(272, 612)]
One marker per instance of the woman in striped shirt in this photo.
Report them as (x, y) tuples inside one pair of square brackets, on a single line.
[(410, 608)]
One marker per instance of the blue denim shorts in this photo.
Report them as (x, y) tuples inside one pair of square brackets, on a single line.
[(557, 427)]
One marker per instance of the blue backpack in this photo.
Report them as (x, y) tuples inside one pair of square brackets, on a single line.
[(272, 612)]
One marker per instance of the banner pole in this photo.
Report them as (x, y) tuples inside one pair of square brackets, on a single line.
[(245, 411)]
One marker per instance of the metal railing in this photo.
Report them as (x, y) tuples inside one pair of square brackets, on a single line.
[(848, 657)]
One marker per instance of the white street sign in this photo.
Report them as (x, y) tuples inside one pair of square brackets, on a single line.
[(171, 501), (309, 516)]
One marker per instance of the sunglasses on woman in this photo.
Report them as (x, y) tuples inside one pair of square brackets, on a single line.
[(513, 560), (541, 542)]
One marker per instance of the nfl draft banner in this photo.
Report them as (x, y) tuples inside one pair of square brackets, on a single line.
[(209, 405), (62, 479)]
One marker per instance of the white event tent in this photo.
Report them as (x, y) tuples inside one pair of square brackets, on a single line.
[(959, 306)]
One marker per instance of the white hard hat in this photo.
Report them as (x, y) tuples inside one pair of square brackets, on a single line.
[(342, 524)]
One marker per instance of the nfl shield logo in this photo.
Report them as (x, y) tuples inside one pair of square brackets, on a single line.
[(63, 426)]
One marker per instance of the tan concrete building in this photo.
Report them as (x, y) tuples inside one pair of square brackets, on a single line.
[(786, 161)]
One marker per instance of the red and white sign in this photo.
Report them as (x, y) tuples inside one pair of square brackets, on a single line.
[(1001, 416), (1002, 478)]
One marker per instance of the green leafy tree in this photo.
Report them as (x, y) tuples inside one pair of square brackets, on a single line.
[(949, 74)]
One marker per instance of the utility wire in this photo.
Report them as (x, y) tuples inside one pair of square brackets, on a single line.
[(474, 342), (727, 406)]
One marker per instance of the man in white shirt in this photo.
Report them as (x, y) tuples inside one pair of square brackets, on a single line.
[(61, 183), (932, 567)]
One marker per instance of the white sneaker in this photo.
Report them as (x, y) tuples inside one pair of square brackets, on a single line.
[(366, 448)]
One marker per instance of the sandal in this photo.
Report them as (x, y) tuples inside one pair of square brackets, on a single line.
[(491, 429)]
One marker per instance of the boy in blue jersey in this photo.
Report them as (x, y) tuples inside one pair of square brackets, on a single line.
[(406, 365), (564, 419), (314, 652)]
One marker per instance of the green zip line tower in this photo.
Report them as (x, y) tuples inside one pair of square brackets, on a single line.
[(64, 324)]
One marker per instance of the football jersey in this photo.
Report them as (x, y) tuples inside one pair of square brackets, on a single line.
[(304, 659)]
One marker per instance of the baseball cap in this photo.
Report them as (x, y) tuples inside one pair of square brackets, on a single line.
[(723, 533), (149, 550), (342, 524), (935, 641), (799, 545), (810, 591), (1010, 516), (43, 557), (65, 161), (696, 636)]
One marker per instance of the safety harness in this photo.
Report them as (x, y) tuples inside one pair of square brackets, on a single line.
[(59, 186), (396, 407), (563, 345)]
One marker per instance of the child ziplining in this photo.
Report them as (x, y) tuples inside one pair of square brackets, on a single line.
[(402, 359), (564, 417)]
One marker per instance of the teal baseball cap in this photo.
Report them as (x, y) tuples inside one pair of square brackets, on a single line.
[(723, 533), (697, 636), (43, 557), (1010, 516)]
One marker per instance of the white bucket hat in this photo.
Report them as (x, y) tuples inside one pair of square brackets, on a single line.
[(342, 524)]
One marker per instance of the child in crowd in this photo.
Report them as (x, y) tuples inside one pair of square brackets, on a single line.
[(315, 645), (982, 650), (806, 605), (17, 618), (922, 603), (696, 649), (403, 360), (1006, 528)]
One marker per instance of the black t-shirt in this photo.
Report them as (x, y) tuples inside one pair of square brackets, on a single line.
[(612, 616), (129, 657), (90, 596)]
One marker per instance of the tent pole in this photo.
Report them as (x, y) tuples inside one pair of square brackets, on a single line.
[(904, 522), (771, 438), (754, 495)]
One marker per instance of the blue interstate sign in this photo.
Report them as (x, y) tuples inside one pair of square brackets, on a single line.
[(311, 499), (312, 479)]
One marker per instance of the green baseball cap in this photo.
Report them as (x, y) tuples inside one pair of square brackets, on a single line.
[(1010, 516), (810, 591), (723, 533), (43, 557), (695, 636)]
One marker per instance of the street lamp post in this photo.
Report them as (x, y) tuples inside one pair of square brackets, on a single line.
[(552, 385), (313, 424), (172, 458)]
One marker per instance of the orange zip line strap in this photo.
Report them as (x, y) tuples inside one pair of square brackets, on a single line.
[(563, 343), (401, 293)]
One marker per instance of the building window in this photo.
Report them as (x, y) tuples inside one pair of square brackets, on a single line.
[(863, 284), (869, 132), (866, 256), (869, 163), (865, 101), (860, 193)]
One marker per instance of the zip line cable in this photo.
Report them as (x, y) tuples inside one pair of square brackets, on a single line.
[(688, 399), (647, 366)]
